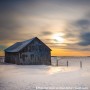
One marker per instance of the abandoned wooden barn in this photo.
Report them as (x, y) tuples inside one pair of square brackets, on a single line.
[(29, 52)]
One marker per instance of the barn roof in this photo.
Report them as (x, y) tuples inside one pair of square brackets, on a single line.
[(19, 45)]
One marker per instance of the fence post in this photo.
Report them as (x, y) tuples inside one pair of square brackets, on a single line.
[(57, 61), (80, 64), (67, 63)]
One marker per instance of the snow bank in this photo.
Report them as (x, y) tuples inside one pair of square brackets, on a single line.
[(42, 77)]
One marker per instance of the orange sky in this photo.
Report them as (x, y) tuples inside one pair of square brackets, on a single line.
[(62, 52)]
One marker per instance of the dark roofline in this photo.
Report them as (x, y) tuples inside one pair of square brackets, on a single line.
[(39, 40), (43, 43), (6, 50)]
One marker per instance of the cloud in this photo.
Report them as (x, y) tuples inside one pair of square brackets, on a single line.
[(83, 22), (85, 39), (8, 24), (20, 19), (77, 34), (2, 47), (46, 33), (77, 28), (83, 26)]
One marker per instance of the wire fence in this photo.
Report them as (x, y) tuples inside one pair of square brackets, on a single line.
[(70, 61)]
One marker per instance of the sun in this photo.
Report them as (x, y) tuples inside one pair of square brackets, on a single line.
[(58, 38)]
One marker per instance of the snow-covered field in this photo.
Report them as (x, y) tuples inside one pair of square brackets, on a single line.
[(42, 77)]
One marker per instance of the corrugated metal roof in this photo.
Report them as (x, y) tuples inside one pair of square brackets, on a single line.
[(18, 46)]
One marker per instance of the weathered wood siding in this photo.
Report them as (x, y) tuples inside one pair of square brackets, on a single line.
[(34, 53)]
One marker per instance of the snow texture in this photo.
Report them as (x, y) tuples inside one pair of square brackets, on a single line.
[(42, 77)]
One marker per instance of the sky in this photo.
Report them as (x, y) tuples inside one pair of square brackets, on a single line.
[(63, 25)]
